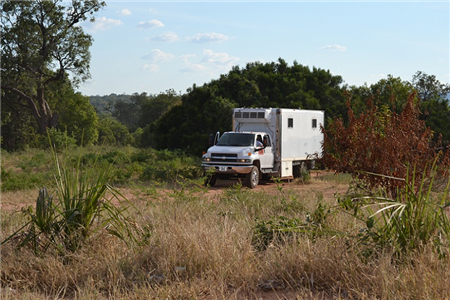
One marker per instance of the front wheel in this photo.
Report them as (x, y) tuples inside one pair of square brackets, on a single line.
[(210, 180), (252, 178)]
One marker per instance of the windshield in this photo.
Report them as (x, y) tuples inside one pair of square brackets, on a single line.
[(237, 139)]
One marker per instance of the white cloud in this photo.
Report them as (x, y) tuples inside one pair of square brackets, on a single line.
[(150, 24), (218, 58), (186, 57), (190, 68), (157, 56), (125, 12), (334, 48), (208, 38), (167, 36), (101, 24), (211, 62), (150, 67)]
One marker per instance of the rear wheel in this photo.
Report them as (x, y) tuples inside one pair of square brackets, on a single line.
[(300, 170), (252, 178)]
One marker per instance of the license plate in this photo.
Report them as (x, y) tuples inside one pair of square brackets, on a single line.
[(223, 169)]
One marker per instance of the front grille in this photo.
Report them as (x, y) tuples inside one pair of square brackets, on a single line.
[(223, 157)]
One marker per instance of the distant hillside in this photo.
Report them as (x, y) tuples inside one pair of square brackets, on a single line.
[(106, 103)]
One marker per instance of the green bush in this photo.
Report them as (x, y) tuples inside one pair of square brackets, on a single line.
[(58, 139), (16, 181), (404, 224), (170, 170), (280, 228), (81, 204)]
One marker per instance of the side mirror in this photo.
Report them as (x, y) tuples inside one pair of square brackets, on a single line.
[(262, 147), (217, 137), (213, 139)]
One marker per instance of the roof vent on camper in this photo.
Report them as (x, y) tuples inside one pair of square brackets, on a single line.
[(249, 114)]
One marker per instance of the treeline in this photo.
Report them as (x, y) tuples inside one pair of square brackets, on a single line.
[(207, 109), (173, 121)]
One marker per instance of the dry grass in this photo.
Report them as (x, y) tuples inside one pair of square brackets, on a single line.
[(200, 247)]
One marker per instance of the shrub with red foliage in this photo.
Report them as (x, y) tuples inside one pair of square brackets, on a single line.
[(381, 141)]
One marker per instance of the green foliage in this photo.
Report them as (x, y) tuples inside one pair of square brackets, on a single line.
[(392, 93), (57, 139), (141, 110), (275, 229), (112, 132), (78, 118), (18, 126), (154, 107), (435, 105), (207, 109), (188, 126), (16, 181), (405, 224), (41, 44), (83, 204), (105, 104), (170, 166), (31, 168), (388, 95), (279, 229)]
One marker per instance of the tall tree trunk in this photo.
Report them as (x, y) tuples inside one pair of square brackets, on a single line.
[(41, 113)]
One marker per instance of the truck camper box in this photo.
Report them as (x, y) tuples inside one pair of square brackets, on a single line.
[(283, 142)]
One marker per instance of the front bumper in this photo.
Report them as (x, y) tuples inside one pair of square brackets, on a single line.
[(221, 169)]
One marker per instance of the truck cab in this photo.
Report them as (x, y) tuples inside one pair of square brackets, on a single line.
[(242, 154)]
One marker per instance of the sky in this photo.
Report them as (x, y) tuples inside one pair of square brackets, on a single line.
[(155, 46)]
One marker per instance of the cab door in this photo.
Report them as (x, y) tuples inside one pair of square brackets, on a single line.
[(267, 156)]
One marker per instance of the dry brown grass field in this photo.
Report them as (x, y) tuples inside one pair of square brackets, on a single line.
[(200, 244)]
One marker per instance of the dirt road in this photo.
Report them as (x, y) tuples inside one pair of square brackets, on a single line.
[(15, 201)]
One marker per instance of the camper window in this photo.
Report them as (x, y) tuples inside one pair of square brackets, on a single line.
[(290, 123)]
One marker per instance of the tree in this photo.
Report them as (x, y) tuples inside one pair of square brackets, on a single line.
[(17, 125), (381, 141), (434, 102), (41, 45), (78, 117), (428, 87), (207, 109), (187, 126), (154, 107), (390, 93), (141, 110), (128, 112), (112, 132)]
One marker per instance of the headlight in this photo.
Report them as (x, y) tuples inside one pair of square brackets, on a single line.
[(206, 159), (243, 160)]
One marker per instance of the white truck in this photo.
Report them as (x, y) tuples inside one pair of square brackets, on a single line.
[(270, 142)]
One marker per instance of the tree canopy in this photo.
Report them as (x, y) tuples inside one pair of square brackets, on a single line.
[(42, 45), (207, 109)]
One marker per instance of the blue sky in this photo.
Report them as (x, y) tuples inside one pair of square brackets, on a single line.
[(153, 46)]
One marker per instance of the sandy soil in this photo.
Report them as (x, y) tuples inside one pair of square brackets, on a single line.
[(15, 201)]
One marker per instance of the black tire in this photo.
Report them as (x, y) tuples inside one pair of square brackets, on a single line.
[(211, 180), (299, 170), (252, 178)]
